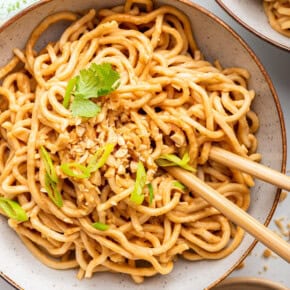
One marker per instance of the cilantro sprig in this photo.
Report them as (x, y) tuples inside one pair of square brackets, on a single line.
[(96, 81)]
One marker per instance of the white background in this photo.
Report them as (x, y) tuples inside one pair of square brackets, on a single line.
[(277, 63)]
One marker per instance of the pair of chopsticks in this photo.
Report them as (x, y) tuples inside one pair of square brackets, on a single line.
[(229, 209)]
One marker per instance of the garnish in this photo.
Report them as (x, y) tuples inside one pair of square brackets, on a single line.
[(13, 210), (179, 185), (70, 85), (173, 160), (96, 81), (52, 191), (75, 169), (100, 226), (151, 192), (49, 168), (84, 108), (100, 157), (50, 179), (137, 196)]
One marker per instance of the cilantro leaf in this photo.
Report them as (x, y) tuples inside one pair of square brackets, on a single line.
[(98, 80), (84, 108), (107, 78), (86, 85)]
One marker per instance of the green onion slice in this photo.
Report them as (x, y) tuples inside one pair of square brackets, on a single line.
[(173, 160), (52, 191), (179, 185), (100, 157), (13, 210), (151, 193), (75, 169), (137, 196), (100, 226), (50, 170), (70, 86)]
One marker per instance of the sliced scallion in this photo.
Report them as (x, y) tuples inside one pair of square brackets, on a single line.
[(151, 192), (75, 169), (173, 160), (50, 179), (49, 167), (179, 185), (100, 226), (52, 191), (137, 195), (100, 157), (13, 210), (70, 86)]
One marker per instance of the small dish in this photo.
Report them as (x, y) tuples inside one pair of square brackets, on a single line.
[(251, 15), (249, 283)]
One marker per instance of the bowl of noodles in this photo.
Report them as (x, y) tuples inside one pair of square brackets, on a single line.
[(250, 283), (268, 19), (97, 98)]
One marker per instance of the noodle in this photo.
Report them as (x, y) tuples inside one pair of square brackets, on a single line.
[(278, 13), (169, 101)]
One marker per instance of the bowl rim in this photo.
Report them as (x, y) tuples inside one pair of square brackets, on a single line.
[(255, 58), (250, 28), (253, 281)]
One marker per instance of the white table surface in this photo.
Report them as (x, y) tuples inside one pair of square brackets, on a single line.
[(277, 63)]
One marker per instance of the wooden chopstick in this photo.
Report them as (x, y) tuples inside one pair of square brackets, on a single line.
[(248, 166), (233, 212)]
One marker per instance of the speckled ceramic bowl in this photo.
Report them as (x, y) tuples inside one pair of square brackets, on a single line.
[(250, 14), (249, 283), (217, 41)]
